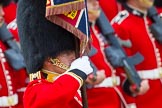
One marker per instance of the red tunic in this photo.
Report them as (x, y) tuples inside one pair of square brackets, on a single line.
[(103, 96), (135, 27), (159, 9), (62, 93), (110, 7), (10, 12), (12, 82), (7, 80)]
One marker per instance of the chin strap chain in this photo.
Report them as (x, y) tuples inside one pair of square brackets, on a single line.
[(59, 64)]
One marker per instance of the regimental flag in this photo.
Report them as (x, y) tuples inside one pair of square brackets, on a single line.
[(72, 16)]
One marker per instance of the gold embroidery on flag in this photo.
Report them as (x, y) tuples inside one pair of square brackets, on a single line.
[(71, 14)]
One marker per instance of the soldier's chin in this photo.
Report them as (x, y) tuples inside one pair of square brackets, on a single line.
[(149, 3), (94, 12)]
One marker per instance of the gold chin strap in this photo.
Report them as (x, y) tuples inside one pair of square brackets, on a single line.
[(57, 63), (50, 75)]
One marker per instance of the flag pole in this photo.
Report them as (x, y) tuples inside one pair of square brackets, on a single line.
[(83, 88)]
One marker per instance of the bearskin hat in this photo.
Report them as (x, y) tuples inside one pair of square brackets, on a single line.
[(5, 2), (39, 38)]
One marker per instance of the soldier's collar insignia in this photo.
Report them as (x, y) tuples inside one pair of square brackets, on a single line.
[(34, 76)]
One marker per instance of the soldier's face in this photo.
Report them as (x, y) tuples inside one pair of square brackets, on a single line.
[(67, 57), (1, 15), (93, 10)]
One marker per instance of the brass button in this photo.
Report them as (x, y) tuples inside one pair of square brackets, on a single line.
[(114, 80), (10, 101), (160, 73)]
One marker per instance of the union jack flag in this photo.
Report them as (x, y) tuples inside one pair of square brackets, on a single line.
[(72, 16)]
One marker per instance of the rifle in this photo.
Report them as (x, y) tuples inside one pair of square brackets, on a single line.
[(13, 54), (157, 24), (128, 63)]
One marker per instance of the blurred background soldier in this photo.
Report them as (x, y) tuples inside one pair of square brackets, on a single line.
[(102, 91), (132, 24), (52, 57), (13, 80)]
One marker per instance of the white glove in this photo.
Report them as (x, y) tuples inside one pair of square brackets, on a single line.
[(82, 64)]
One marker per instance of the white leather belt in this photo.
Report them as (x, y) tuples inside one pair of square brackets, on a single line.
[(109, 82), (151, 74), (7, 101)]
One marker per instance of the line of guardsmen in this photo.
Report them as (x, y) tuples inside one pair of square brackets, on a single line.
[(132, 26), (107, 86), (13, 81)]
